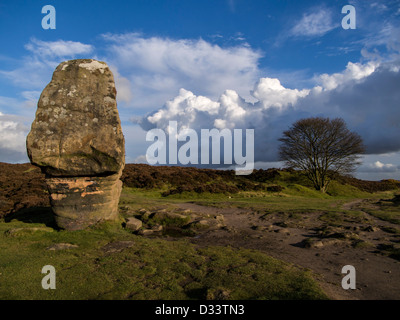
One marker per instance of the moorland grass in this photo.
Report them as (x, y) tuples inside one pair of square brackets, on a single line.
[(151, 268)]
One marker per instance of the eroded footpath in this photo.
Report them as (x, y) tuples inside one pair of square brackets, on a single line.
[(315, 241)]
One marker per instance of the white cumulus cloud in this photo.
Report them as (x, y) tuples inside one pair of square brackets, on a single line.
[(157, 66), (354, 71), (381, 165), (271, 93)]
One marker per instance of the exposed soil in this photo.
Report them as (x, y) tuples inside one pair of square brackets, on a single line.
[(308, 242)]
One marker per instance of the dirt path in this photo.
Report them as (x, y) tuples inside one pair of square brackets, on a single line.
[(377, 276), (352, 204)]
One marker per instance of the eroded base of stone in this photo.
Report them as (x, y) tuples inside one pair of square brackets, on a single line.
[(79, 202)]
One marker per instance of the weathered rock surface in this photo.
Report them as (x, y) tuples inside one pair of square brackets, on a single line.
[(133, 224), (79, 202), (62, 246), (117, 246), (77, 131), (76, 139)]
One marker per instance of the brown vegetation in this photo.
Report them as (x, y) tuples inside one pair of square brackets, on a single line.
[(369, 186), (22, 186), (186, 179)]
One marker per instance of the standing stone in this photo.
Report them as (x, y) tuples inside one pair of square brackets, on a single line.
[(76, 139)]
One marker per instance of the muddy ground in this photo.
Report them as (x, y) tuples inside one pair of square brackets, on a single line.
[(308, 242)]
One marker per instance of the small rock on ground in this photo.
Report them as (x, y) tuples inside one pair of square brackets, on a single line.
[(62, 246), (133, 224)]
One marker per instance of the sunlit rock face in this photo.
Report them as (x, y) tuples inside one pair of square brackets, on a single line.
[(76, 139)]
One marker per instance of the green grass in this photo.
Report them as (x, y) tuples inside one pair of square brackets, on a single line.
[(386, 212), (293, 199), (275, 203), (336, 189), (340, 218), (391, 250), (150, 269)]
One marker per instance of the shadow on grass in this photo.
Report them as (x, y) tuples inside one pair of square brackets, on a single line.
[(198, 293), (34, 215)]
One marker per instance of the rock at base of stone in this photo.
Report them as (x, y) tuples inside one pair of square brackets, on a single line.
[(79, 202), (133, 224)]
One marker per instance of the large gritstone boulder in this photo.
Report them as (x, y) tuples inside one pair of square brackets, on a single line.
[(77, 141)]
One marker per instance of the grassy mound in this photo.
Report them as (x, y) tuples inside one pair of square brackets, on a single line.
[(108, 262)]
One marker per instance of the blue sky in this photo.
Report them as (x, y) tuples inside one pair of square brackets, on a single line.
[(235, 63)]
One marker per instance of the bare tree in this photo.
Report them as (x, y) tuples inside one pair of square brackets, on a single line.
[(321, 148)]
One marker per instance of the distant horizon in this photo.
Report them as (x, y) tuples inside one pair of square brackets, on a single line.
[(218, 169)]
